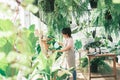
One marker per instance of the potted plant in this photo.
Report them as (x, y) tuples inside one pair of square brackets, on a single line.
[(93, 3), (116, 49), (108, 15), (46, 68), (47, 5), (96, 63)]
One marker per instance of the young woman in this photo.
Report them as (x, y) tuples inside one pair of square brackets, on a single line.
[(68, 49)]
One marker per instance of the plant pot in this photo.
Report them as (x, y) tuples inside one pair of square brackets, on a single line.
[(108, 15), (94, 68), (110, 38), (47, 5), (93, 3), (94, 65)]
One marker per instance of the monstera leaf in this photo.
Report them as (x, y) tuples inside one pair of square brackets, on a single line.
[(78, 44)]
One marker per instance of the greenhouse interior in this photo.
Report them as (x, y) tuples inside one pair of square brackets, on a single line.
[(59, 39)]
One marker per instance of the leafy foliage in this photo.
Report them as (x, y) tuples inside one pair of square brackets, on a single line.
[(7, 47), (62, 14), (4, 25), (26, 37), (78, 44), (46, 68), (7, 39), (47, 5), (19, 41), (107, 15), (96, 65)]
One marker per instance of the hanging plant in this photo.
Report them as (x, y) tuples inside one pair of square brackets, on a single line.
[(110, 38), (108, 15), (47, 5), (94, 33), (93, 3)]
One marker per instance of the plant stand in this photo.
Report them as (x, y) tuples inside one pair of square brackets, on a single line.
[(113, 56)]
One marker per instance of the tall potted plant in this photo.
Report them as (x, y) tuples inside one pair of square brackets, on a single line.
[(96, 63)]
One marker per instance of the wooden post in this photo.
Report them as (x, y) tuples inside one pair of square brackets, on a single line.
[(114, 67)]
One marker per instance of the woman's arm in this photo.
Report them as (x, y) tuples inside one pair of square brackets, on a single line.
[(68, 46), (64, 49)]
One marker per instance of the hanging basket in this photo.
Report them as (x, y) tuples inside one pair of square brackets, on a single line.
[(108, 15), (93, 3), (47, 5)]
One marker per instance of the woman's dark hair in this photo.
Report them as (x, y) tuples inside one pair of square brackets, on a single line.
[(67, 31)]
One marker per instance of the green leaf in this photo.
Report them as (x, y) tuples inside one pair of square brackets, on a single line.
[(7, 47), (11, 71), (32, 40), (78, 44), (22, 41), (3, 65), (6, 25), (32, 27), (116, 8), (38, 48), (12, 38), (2, 73), (2, 42)]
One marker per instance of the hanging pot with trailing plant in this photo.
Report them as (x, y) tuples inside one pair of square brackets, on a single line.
[(93, 3), (94, 33), (110, 38), (47, 5), (108, 15)]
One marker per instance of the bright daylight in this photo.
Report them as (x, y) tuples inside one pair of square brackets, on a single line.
[(59, 39)]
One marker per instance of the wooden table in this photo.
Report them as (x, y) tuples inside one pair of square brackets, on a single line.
[(113, 56)]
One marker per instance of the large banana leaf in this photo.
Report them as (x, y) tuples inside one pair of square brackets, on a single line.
[(45, 65), (7, 35), (6, 25), (26, 40), (5, 68), (7, 47), (2, 42)]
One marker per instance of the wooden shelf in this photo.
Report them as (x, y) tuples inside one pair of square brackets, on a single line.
[(91, 56)]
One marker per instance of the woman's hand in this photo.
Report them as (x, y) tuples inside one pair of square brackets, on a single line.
[(60, 43), (58, 51)]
